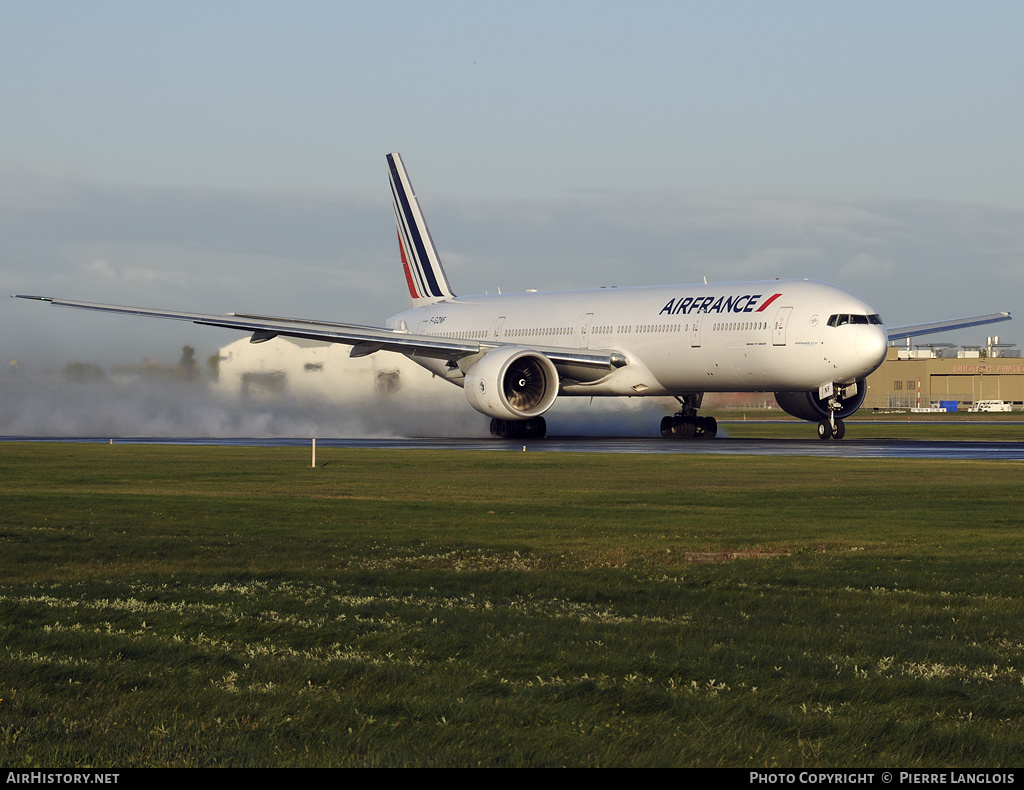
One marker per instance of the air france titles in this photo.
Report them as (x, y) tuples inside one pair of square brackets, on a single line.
[(747, 303)]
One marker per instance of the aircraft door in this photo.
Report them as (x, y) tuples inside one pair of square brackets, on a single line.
[(585, 330), (695, 334), (498, 325), (779, 330)]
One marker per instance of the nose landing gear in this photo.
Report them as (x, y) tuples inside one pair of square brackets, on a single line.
[(832, 428)]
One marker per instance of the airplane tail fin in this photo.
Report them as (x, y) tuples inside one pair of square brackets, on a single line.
[(423, 271)]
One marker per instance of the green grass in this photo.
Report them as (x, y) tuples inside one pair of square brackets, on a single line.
[(210, 606)]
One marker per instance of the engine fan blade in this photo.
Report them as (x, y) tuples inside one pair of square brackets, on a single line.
[(524, 385)]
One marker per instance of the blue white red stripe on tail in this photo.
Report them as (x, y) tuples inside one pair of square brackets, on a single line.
[(423, 271)]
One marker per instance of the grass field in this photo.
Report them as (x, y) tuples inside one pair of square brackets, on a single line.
[(211, 606)]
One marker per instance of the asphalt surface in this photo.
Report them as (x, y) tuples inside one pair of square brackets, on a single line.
[(847, 448)]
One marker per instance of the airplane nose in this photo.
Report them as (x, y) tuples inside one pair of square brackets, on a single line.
[(871, 342)]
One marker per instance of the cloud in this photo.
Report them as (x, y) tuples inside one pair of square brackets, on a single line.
[(775, 262), (156, 276), (867, 267), (100, 268)]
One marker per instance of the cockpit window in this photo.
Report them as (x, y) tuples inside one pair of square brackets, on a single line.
[(842, 319)]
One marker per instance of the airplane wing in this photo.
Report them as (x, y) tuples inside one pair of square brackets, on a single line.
[(902, 332), (363, 339)]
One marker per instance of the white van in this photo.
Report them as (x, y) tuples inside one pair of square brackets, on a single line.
[(991, 405)]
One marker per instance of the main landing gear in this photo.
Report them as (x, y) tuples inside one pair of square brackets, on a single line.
[(535, 428), (685, 424)]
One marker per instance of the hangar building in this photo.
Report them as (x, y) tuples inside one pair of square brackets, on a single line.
[(940, 375)]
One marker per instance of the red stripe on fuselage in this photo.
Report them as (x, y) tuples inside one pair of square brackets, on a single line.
[(772, 299)]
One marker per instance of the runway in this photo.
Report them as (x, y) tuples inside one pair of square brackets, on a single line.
[(847, 448), (857, 448)]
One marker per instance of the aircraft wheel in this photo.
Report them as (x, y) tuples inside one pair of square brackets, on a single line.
[(536, 428), (840, 430), (666, 427), (685, 429), (708, 427), (824, 430)]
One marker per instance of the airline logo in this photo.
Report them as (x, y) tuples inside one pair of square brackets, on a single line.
[(423, 272), (747, 303)]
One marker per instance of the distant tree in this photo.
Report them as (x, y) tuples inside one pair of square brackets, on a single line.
[(213, 363), (82, 372), (388, 381), (187, 363)]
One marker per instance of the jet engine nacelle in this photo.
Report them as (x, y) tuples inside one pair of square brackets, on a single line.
[(512, 383), (808, 406)]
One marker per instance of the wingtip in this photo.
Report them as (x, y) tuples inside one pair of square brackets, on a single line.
[(33, 298)]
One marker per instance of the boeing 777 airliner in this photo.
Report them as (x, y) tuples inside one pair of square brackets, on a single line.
[(811, 344)]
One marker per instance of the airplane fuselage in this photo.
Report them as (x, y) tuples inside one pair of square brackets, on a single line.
[(723, 337)]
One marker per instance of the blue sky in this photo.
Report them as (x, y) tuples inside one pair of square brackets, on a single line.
[(225, 156)]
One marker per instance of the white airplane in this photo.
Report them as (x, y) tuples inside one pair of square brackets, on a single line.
[(811, 344)]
